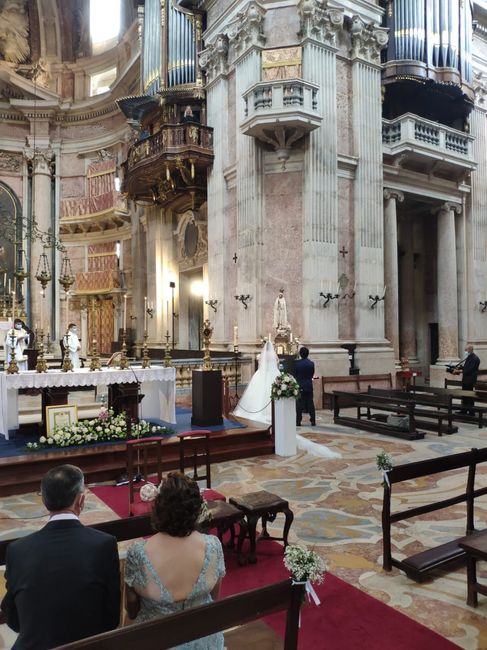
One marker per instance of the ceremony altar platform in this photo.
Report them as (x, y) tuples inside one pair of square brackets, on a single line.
[(157, 385)]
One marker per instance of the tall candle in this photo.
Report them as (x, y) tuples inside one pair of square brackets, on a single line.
[(9, 286), (235, 335), (125, 313), (145, 314), (167, 314), (13, 305), (42, 310)]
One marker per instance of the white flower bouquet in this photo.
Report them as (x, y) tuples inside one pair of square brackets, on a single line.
[(106, 427), (285, 385), (304, 565)]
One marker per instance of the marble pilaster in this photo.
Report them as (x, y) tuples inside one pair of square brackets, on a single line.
[(319, 28), (447, 283), (407, 299), (367, 41), (391, 268)]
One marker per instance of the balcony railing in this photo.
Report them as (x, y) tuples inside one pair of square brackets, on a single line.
[(173, 139), (424, 138), (283, 102)]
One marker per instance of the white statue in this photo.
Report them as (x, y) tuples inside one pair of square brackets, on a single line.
[(280, 313)]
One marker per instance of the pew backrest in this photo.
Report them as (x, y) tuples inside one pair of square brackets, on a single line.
[(351, 384)]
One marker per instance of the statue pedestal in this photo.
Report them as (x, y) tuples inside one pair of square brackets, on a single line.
[(285, 426)]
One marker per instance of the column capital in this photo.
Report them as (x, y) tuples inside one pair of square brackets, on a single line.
[(368, 39), (214, 58), (319, 21), (390, 193), (448, 206), (41, 159), (247, 30)]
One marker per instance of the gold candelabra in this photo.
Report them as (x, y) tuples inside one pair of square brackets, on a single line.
[(123, 363), (206, 331), (95, 359), (41, 365), (13, 368), (167, 356), (67, 363), (145, 353)]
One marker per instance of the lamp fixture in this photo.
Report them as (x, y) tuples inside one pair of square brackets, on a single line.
[(43, 273), (483, 305), (374, 300), (243, 299), (328, 297), (212, 304), (66, 277)]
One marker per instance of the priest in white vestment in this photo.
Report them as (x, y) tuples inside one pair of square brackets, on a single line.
[(18, 343), (72, 343)]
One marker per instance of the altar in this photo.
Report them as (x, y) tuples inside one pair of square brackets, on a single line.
[(157, 385)]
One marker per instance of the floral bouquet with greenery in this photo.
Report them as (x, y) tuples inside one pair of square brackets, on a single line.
[(384, 464), (106, 427), (306, 567), (285, 385)]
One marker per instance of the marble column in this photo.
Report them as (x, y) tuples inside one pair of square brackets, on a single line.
[(391, 268), (41, 160), (447, 282), (407, 300)]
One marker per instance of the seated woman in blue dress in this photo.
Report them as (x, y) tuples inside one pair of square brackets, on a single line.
[(178, 567)]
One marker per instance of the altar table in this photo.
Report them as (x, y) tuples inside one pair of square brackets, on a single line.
[(158, 385)]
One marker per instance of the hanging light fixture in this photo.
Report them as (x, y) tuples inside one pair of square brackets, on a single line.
[(43, 274), (21, 272), (66, 277)]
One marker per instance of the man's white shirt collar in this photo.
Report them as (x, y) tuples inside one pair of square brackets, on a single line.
[(63, 515)]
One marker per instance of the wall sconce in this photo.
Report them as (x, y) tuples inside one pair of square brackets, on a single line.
[(483, 305), (212, 304), (132, 317), (328, 296), (243, 299), (376, 299), (351, 294), (150, 311)]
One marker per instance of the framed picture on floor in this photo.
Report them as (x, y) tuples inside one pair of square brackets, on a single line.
[(61, 416)]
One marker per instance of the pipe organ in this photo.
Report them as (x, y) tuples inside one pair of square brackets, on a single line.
[(429, 44), (171, 42)]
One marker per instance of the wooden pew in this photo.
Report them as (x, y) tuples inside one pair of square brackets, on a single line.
[(420, 565), (351, 384), (198, 622), (434, 409), (478, 396), (365, 420)]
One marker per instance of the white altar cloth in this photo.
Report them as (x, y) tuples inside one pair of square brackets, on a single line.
[(158, 385)]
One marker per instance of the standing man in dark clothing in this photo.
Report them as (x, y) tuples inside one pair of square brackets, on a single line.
[(63, 582), (469, 378), (304, 370)]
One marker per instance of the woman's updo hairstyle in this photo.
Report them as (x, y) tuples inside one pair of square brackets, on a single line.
[(177, 506)]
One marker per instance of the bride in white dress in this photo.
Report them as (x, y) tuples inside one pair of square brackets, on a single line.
[(255, 403)]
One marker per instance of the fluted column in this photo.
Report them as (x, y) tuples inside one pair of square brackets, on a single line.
[(447, 282), (391, 268), (41, 160), (320, 249)]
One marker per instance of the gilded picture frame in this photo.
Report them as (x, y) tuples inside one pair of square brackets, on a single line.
[(60, 416)]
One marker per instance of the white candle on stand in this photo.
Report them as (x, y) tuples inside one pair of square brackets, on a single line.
[(9, 286), (42, 310), (235, 335), (125, 313), (13, 305), (167, 314), (145, 314)]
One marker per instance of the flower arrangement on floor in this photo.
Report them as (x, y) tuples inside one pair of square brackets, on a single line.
[(106, 427), (284, 385), (306, 567), (384, 464)]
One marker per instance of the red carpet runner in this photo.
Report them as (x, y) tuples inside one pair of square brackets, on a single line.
[(347, 618)]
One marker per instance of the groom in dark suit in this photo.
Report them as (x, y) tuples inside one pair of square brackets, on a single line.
[(63, 582), (304, 370)]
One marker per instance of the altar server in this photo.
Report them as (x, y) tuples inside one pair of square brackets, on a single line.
[(17, 338), (71, 341)]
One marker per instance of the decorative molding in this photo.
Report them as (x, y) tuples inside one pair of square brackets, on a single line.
[(247, 30), (367, 40), (393, 194), (214, 58), (480, 87), (320, 22)]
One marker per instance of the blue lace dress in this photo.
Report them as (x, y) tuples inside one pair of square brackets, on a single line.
[(156, 600)]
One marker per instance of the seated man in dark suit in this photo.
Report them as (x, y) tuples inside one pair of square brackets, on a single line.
[(304, 370), (63, 582), (469, 372)]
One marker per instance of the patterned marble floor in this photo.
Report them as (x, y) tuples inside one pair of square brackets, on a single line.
[(337, 506)]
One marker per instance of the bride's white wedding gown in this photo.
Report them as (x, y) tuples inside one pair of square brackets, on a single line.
[(255, 403)]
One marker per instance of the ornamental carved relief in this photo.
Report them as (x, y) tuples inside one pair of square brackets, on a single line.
[(10, 161), (247, 30), (480, 87), (319, 21), (42, 159), (367, 40)]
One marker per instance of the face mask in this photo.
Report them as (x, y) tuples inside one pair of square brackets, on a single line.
[(466, 353), (18, 326), (73, 330)]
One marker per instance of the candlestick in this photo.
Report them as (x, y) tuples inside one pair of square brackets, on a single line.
[(167, 314), (145, 314), (9, 286), (125, 312), (42, 310), (13, 305), (235, 335)]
